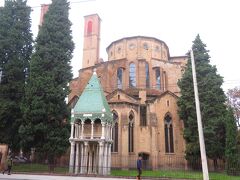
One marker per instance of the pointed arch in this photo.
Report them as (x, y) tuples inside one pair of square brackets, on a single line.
[(168, 130), (131, 132), (114, 147)]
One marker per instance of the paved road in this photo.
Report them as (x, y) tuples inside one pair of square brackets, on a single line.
[(47, 177)]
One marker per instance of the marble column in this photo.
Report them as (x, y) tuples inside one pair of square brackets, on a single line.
[(85, 157), (108, 132), (82, 158), (103, 130), (82, 129), (109, 159), (111, 132), (105, 157), (100, 159), (71, 163), (95, 159), (90, 163), (92, 129), (77, 159), (72, 129), (76, 131), (79, 130)]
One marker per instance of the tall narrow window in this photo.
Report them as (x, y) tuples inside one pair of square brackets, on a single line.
[(120, 78), (130, 132), (158, 80), (169, 144), (115, 133), (132, 75), (147, 75), (143, 115), (164, 84), (89, 28)]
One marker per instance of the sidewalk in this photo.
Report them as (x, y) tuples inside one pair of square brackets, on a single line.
[(69, 177), (49, 177)]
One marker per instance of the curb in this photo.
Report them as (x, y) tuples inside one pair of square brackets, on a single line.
[(99, 176)]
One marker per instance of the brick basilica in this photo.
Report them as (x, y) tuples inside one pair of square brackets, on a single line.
[(139, 81)]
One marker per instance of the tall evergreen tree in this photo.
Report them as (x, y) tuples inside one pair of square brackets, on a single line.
[(212, 102), (231, 151), (15, 51), (50, 72)]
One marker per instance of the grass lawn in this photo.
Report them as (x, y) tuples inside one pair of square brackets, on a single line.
[(38, 168), (174, 174), (41, 168)]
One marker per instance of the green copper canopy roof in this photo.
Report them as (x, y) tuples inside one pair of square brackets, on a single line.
[(92, 103)]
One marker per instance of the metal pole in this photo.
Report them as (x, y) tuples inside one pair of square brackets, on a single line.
[(199, 121)]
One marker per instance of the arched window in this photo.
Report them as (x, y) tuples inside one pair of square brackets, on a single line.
[(158, 79), (131, 132), (89, 27), (169, 146), (132, 75), (147, 75), (115, 133), (119, 78)]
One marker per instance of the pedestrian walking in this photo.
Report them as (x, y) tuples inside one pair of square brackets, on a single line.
[(9, 165), (139, 167)]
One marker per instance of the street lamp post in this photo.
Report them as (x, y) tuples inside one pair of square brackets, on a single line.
[(199, 121)]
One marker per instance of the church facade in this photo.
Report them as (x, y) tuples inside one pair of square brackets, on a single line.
[(139, 81)]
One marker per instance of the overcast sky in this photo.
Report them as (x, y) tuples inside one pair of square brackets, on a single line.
[(176, 22)]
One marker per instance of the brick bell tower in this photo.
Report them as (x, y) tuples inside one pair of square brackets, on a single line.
[(44, 10), (91, 40)]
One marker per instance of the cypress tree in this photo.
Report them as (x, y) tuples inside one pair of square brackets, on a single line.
[(231, 151), (15, 51), (45, 109), (212, 102)]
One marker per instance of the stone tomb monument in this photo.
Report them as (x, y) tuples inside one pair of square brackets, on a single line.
[(91, 131)]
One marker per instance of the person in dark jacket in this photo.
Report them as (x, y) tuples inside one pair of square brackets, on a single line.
[(9, 165), (139, 167)]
